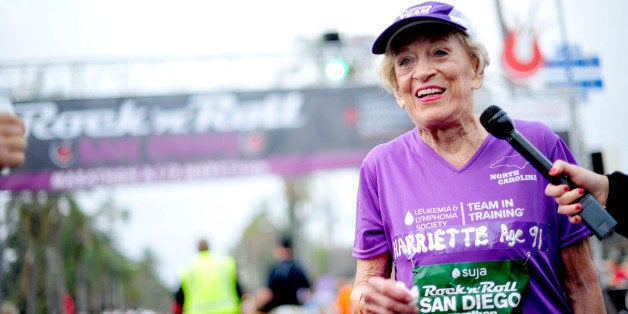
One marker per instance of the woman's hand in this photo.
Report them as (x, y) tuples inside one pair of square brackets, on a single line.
[(567, 198), (386, 296), (12, 141)]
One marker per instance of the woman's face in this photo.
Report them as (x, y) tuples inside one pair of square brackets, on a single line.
[(435, 81)]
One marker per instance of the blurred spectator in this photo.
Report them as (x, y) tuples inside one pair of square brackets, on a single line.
[(322, 294), (68, 304), (343, 298), (209, 284), (9, 308), (288, 283), (619, 279)]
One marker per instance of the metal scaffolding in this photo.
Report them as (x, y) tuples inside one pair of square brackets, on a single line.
[(30, 80)]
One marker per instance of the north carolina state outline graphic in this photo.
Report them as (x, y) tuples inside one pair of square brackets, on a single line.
[(516, 161)]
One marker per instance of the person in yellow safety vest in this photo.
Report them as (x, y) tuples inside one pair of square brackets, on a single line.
[(209, 285)]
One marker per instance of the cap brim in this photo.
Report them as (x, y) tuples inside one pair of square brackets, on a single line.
[(381, 43)]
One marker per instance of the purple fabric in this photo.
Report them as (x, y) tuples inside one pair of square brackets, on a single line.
[(423, 211)]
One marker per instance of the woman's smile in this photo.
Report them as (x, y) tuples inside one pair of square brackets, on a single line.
[(429, 93)]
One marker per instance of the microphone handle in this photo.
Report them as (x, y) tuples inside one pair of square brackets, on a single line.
[(593, 214)]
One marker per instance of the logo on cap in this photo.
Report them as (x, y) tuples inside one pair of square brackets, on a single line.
[(422, 10)]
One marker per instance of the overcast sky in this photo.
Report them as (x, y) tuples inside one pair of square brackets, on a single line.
[(160, 218)]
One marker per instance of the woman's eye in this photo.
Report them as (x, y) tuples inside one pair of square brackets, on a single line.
[(403, 61), (440, 52)]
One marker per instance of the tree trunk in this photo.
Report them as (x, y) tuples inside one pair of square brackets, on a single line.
[(82, 304), (32, 274), (54, 281)]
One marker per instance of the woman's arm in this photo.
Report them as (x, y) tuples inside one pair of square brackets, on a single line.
[(581, 278), (375, 292)]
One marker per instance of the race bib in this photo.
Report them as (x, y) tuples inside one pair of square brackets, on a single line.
[(474, 287)]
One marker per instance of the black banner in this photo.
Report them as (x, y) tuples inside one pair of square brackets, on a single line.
[(77, 144)]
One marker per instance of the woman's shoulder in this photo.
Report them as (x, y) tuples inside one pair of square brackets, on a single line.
[(535, 130), (540, 135), (531, 126), (394, 146)]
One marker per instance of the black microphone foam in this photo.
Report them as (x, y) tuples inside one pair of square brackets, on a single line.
[(497, 122)]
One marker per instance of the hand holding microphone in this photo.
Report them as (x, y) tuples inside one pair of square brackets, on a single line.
[(593, 214), (12, 141)]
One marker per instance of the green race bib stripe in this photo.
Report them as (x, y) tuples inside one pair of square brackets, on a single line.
[(473, 287)]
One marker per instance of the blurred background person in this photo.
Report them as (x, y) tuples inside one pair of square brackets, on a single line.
[(209, 284), (343, 297), (610, 190), (288, 284), (9, 308), (429, 202)]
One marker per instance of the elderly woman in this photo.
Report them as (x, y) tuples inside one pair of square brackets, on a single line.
[(448, 208)]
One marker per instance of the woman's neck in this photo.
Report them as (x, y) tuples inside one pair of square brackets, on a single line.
[(455, 144)]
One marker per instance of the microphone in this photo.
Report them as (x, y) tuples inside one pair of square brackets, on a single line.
[(594, 215)]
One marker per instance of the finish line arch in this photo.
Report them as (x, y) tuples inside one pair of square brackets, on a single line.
[(82, 143)]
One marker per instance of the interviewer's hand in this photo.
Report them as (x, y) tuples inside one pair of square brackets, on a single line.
[(595, 184), (12, 141), (384, 296)]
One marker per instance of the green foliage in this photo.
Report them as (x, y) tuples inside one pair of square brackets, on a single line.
[(58, 248), (321, 260)]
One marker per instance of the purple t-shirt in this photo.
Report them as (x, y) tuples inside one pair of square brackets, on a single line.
[(480, 238)]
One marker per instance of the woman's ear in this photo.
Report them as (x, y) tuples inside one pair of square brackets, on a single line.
[(478, 74), (478, 80), (400, 101)]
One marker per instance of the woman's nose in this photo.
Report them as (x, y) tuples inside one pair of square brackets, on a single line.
[(423, 70)]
